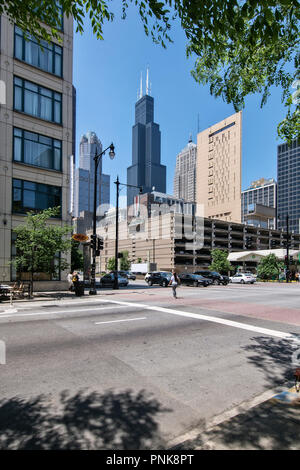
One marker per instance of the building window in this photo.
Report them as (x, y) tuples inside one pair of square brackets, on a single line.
[(48, 57), (29, 196), (37, 101), (37, 150)]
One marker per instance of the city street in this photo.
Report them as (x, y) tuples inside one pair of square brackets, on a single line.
[(138, 369)]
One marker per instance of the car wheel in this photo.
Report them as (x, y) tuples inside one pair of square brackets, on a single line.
[(195, 284), (165, 284), (150, 283), (205, 284), (215, 283), (242, 281)]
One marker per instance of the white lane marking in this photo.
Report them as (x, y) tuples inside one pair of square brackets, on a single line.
[(222, 321), (118, 321), (83, 309)]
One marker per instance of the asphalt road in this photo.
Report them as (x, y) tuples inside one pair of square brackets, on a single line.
[(138, 369)]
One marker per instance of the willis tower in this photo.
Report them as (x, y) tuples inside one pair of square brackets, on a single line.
[(146, 169)]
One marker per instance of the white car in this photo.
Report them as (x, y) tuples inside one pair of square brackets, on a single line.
[(242, 278)]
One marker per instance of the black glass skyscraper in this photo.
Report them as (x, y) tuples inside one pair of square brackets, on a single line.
[(146, 169), (288, 184)]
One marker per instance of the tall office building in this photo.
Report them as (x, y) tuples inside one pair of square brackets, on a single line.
[(288, 185), (259, 203), (185, 173), (36, 133), (146, 169), (219, 151), (85, 174)]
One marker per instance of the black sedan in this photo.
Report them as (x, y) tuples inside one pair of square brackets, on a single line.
[(195, 280), (109, 279)]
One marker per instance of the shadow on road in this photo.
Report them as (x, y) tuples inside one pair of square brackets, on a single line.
[(82, 421), (274, 357)]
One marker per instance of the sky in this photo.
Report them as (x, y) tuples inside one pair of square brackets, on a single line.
[(107, 73)]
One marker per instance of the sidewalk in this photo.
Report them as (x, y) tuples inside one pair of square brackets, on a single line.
[(273, 424)]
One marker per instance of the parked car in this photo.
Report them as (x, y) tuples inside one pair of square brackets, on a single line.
[(195, 280), (159, 277), (216, 278), (109, 279), (242, 278), (126, 274)]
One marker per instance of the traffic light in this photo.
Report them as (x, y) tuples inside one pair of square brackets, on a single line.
[(248, 243), (93, 240), (100, 244), (291, 260), (273, 243)]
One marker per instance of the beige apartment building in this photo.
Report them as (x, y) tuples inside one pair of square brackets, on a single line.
[(36, 134), (218, 174)]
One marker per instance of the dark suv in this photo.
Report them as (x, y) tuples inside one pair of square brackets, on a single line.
[(161, 278), (194, 280), (215, 277)]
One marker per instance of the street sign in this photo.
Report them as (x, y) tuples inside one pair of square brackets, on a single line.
[(80, 237)]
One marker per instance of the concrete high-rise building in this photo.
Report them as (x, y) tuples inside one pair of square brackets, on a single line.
[(259, 203), (84, 176), (288, 185), (185, 173), (146, 169), (219, 151), (36, 134)]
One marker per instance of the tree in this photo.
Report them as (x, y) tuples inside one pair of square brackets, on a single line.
[(76, 256), (240, 46), (245, 47), (220, 262), (269, 267), (38, 243), (111, 264), (125, 263)]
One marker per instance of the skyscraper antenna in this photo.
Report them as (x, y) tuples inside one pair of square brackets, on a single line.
[(141, 86), (147, 81)]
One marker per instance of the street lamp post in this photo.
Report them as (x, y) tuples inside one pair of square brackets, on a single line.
[(287, 257), (94, 235), (118, 184)]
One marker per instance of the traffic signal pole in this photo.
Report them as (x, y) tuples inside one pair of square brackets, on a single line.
[(94, 235)]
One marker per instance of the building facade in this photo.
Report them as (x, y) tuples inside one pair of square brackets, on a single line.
[(185, 173), (36, 132), (259, 203), (166, 239), (146, 170), (85, 174), (219, 153), (288, 186)]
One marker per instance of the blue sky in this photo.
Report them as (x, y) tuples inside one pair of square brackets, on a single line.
[(107, 76)]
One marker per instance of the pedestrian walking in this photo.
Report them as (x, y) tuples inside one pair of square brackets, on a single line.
[(297, 276), (75, 282), (174, 283), (69, 278)]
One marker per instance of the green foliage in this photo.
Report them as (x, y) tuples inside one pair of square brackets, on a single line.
[(246, 47), (269, 267), (76, 256), (240, 47), (111, 264), (37, 243), (124, 262), (220, 262)]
